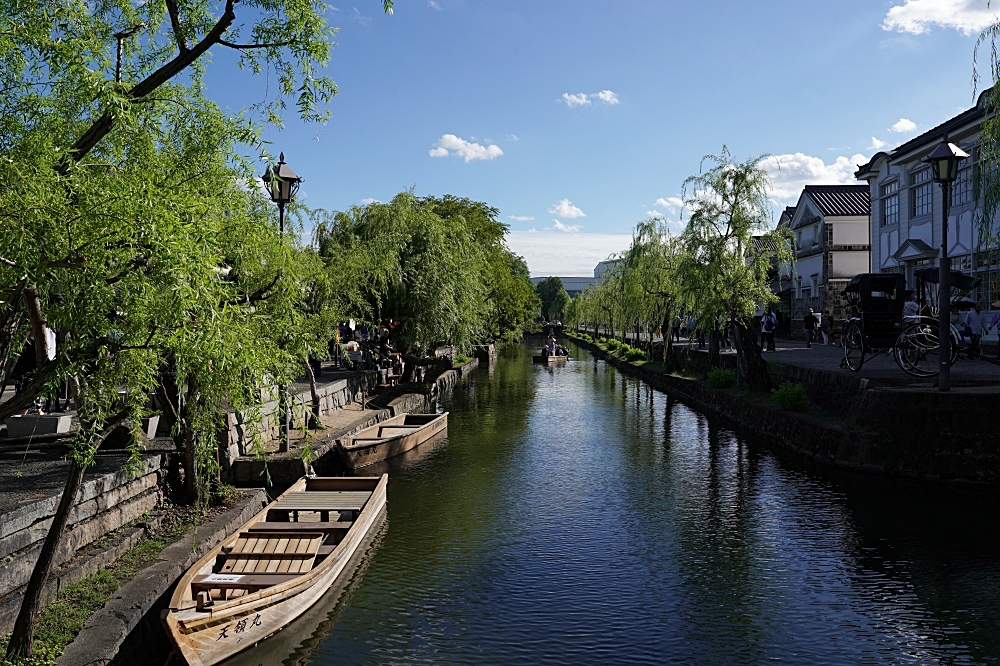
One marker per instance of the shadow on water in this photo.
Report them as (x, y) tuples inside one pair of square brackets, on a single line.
[(574, 515)]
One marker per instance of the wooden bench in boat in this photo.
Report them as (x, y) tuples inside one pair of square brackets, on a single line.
[(326, 527), (322, 502), (248, 582)]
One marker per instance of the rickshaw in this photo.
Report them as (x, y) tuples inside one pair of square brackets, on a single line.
[(917, 348), (877, 325), (876, 321)]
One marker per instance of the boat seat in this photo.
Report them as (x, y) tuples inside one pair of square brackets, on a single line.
[(249, 582), (297, 528), (273, 553)]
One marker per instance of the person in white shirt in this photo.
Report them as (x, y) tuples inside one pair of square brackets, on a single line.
[(975, 320), (911, 309)]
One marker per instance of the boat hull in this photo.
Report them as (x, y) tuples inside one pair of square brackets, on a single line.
[(213, 635), (548, 359), (359, 451)]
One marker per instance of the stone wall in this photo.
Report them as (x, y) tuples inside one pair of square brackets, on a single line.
[(237, 436), (105, 503), (914, 432)]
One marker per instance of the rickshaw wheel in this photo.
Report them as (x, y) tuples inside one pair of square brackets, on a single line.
[(916, 350), (854, 347)]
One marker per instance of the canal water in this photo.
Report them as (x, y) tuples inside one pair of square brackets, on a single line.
[(575, 516)]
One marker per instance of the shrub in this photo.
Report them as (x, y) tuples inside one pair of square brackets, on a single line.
[(613, 345), (791, 396), (602, 340), (721, 378), (633, 354)]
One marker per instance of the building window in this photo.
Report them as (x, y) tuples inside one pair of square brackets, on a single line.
[(920, 193), (890, 203), (961, 190)]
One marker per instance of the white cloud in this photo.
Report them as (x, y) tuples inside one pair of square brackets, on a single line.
[(552, 253), (877, 144), (790, 173), (673, 204), (368, 200), (903, 125), (607, 97), (917, 16), (583, 99), (579, 99), (361, 18), (433, 5), (532, 230), (567, 210), (654, 213), (559, 226), (512, 137), (466, 149), (520, 218)]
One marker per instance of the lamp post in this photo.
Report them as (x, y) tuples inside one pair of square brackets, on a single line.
[(282, 183), (944, 167)]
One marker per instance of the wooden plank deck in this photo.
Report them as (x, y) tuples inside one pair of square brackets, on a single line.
[(331, 500)]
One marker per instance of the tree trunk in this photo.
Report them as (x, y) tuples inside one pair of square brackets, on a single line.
[(24, 627), (190, 442), (314, 416), (714, 357), (751, 364)]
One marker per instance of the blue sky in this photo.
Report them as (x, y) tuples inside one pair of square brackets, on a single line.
[(578, 119)]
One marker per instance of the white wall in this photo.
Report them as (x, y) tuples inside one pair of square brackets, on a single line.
[(849, 264), (850, 230)]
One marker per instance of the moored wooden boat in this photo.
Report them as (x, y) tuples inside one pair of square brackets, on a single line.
[(273, 569), (390, 438)]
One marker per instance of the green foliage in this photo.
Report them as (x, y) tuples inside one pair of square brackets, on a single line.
[(613, 345), (439, 266), (722, 378), (633, 354), (791, 396), (547, 290), (460, 360)]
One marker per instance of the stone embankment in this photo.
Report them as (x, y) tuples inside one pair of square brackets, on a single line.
[(910, 431), (107, 502), (285, 468), (119, 632)]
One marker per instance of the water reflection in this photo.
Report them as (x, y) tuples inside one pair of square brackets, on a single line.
[(573, 515)]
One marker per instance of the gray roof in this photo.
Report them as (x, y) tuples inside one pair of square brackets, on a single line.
[(841, 200)]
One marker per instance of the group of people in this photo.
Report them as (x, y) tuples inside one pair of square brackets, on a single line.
[(970, 324)]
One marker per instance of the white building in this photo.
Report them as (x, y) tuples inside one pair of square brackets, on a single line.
[(831, 228), (906, 206)]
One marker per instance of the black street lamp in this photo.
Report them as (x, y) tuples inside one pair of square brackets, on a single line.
[(282, 183), (944, 167)]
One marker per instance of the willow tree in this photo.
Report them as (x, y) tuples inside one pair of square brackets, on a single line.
[(653, 263), (126, 229), (730, 249)]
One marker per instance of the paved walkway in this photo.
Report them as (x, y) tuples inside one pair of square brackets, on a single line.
[(881, 368)]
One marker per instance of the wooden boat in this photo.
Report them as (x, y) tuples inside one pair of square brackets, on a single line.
[(546, 358), (273, 569), (390, 438)]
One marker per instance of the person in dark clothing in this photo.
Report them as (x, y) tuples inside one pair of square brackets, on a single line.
[(768, 324), (809, 326)]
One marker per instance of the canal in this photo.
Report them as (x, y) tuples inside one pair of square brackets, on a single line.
[(575, 516)]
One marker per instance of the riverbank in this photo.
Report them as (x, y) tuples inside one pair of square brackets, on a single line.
[(913, 432)]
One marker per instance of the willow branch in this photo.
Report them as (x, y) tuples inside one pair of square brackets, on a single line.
[(103, 125), (241, 47), (175, 23)]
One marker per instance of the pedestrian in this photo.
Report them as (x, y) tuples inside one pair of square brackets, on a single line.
[(768, 324), (675, 329), (826, 327), (975, 322), (911, 309), (995, 323), (809, 327)]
